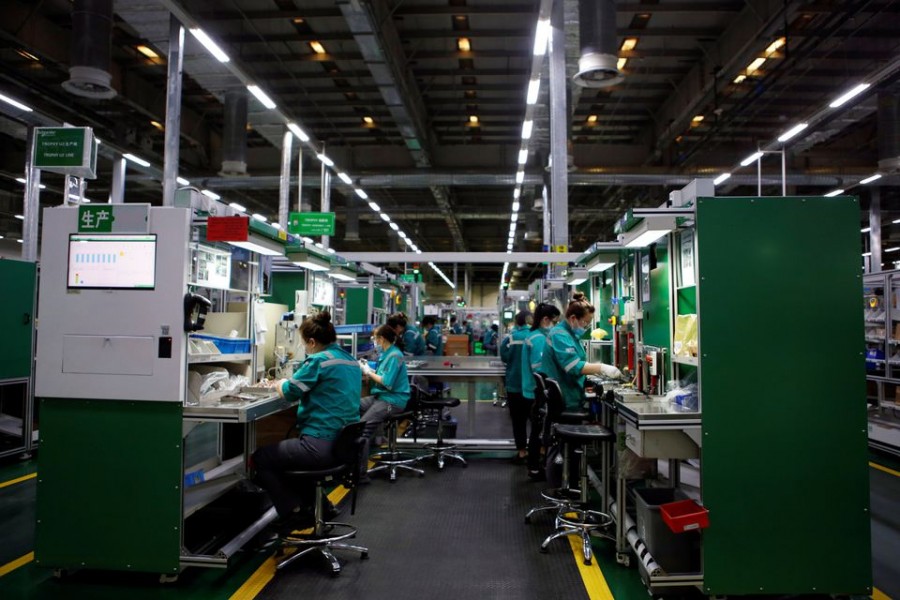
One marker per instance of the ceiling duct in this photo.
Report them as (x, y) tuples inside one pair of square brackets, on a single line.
[(89, 75), (888, 132), (351, 225), (598, 63), (234, 136)]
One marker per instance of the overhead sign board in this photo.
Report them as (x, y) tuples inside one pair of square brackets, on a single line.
[(66, 150), (311, 223), (227, 229), (113, 218)]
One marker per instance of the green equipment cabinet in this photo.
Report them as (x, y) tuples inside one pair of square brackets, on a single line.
[(18, 418)]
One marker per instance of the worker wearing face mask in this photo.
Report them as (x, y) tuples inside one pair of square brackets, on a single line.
[(390, 389), (545, 317), (564, 358)]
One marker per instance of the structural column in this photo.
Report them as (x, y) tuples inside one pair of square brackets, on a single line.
[(32, 203), (173, 111), (284, 187), (875, 230), (326, 196), (117, 189), (559, 130)]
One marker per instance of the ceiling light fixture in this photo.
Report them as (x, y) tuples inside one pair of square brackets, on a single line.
[(259, 217), (464, 44), (210, 194), (473, 119), (534, 88), (136, 159), (698, 119), (751, 159), (721, 178), (361, 193), (395, 227), (317, 47), (834, 193), (261, 96), (755, 65), (775, 46), (620, 64), (28, 55), (517, 192), (235, 206), (592, 119), (520, 176), (324, 159), (296, 130), (523, 156), (865, 230), (740, 78), (629, 44), (182, 181), (874, 177), (385, 217), (157, 125), (541, 37), (146, 51), (368, 120), (15, 103), (345, 178), (527, 128), (841, 100), (792, 132), (210, 45), (374, 207), (515, 207)]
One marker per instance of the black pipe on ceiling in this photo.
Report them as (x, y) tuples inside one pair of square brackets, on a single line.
[(234, 134), (888, 132), (89, 75), (598, 63)]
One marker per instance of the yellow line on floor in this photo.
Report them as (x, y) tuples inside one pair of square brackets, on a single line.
[(885, 469), (12, 566), (266, 571), (879, 595), (18, 480), (594, 581)]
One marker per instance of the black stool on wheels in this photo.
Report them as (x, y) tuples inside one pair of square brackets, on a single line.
[(578, 518), (327, 536), (548, 391), (392, 459), (440, 450)]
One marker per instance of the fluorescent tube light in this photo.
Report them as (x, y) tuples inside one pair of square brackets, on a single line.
[(577, 276), (874, 177), (867, 254), (345, 178), (774, 46), (721, 178), (236, 206), (841, 100), (22, 217), (834, 193), (325, 160), (751, 159), (342, 274), (600, 266), (261, 96), (648, 231), (792, 132), (330, 250), (865, 230), (620, 64), (210, 45), (402, 235), (276, 225), (296, 130), (523, 156), (260, 245), (374, 207), (755, 65), (210, 194), (892, 249), (23, 182), (534, 87), (259, 217), (395, 227), (520, 176), (182, 181), (514, 217), (361, 193), (385, 217), (515, 207), (895, 221), (516, 193), (136, 159), (527, 128), (541, 37), (16, 103)]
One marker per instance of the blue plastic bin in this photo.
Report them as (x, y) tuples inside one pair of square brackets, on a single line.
[(227, 345)]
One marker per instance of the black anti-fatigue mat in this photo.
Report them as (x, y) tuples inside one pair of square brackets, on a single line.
[(452, 535), (17, 520), (885, 489)]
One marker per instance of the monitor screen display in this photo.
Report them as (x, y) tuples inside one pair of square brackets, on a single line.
[(110, 261)]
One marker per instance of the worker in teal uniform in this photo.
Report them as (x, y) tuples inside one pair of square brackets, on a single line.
[(564, 358), (390, 390), (327, 384), (489, 341), (519, 408), (410, 341), (434, 343), (545, 317), (455, 327)]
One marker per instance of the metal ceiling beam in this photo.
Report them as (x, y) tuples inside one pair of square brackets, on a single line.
[(379, 42), (461, 257)]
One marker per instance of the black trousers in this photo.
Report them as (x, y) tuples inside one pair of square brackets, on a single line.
[(295, 454), (520, 413)]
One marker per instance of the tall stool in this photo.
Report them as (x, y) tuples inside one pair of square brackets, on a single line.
[(441, 450), (393, 460), (327, 536), (565, 496), (577, 518)]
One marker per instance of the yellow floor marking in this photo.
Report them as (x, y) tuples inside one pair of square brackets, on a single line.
[(12, 566), (266, 571), (879, 595), (885, 469), (18, 480), (594, 581)]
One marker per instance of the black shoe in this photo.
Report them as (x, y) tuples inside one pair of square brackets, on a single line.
[(297, 521), (537, 476), (519, 460), (330, 511)]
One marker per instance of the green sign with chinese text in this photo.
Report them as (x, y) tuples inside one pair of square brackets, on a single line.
[(311, 223), (66, 150)]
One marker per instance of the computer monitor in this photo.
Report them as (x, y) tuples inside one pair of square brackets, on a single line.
[(112, 261)]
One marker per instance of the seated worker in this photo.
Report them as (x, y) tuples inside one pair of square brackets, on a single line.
[(390, 391), (489, 341), (519, 408), (328, 385), (545, 317), (564, 358), (455, 327), (410, 341), (434, 343)]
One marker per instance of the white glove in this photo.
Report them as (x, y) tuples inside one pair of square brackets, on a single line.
[(610, 372), (365, 367)]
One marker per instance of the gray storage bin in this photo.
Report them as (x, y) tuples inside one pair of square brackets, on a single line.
[(674, 552)]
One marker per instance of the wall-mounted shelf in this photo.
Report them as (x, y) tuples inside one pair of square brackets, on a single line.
[(686, 360), (217, 358)]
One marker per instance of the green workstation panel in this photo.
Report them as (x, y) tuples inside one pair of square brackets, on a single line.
[(119, 509), (285, 286), (656, 329), (16, 318), (782, 383)]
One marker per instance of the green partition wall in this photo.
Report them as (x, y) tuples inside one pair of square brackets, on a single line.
[(782, 386), (16, 318), (656, 311)]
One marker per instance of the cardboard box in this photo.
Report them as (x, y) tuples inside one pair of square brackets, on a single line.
[(457, 345)]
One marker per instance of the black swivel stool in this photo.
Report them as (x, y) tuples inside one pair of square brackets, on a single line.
[(327, 536), (393, 460), (565, 496), (440, 450), (577, 518)]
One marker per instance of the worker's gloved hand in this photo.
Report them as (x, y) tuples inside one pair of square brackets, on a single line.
[(364, 365), (611, 372)]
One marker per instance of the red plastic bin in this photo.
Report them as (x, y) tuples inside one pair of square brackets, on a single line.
[(684, 515)]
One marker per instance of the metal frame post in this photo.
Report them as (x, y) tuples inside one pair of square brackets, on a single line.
[(31, 203), (875, 230), (173, 111), (559, 175), (117, 189), (325, 195), (284, 184)]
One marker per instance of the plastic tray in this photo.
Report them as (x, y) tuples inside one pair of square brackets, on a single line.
[(684, 515), (227, 345)]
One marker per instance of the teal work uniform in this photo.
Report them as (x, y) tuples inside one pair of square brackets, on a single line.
[(394, 387), (489, 341), (456, 329), (532, 355), (328, 385), (434, 343), (412, 341), (563, 360), (511, 355)]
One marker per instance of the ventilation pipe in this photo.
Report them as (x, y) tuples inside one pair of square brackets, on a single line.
[(351, 225), (888, 132), (91, 38), (234, 142), (597, 65)]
